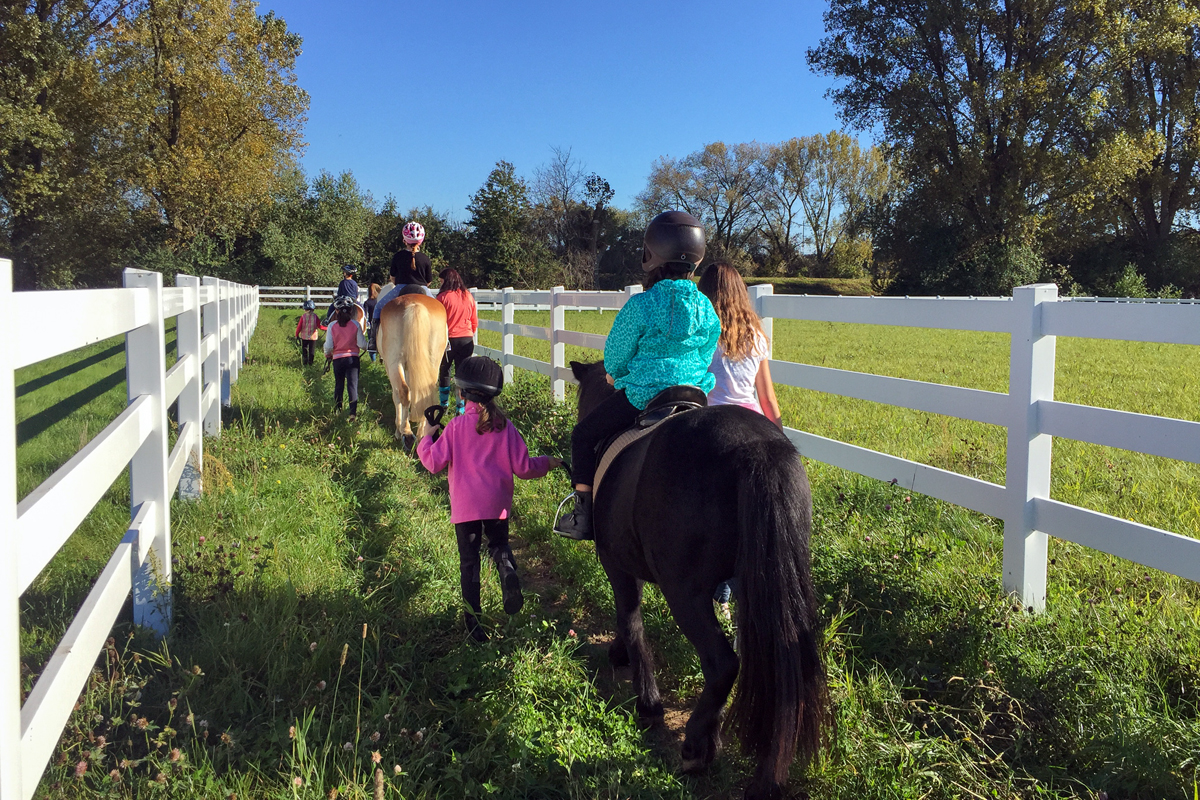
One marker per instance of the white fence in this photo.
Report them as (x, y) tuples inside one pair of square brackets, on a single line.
[(293, 296), (1033, 316), (214, 321)]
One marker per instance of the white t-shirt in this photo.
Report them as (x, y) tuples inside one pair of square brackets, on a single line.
[(735, 379)]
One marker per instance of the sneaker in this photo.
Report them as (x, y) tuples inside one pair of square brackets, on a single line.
[(514, 600), (578, 524)]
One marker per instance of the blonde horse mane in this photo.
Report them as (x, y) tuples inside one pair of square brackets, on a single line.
[(412, 340)]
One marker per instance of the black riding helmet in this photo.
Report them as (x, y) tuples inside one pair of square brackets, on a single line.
[(673, 237), (343, 302), (479, 378)]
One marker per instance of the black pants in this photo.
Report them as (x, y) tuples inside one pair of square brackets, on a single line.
[(469, 536), (345, 376), (607, 419), (308, 347), (460, 349)]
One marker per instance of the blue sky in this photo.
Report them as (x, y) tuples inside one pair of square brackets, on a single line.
[(419, 100)]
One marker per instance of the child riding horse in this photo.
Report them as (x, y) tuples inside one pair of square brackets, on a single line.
[(661, 338)]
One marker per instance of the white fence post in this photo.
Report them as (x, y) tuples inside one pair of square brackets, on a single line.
[(145, 374), (558, 348), (10, 598), (506, 340), (226, 351), (1027, 476), (190, 410), (757, 293), (211, 318)]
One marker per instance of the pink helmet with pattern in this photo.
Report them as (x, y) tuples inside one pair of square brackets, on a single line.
[(414, 233)]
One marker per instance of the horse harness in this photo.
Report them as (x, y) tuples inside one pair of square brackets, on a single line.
[(666, 404)]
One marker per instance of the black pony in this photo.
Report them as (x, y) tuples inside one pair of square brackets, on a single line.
[(709, 495)]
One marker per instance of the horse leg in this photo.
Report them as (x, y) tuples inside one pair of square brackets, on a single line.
[(631, 637), (698, 622)]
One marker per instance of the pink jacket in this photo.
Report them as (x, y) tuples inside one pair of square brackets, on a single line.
[(481, 466)]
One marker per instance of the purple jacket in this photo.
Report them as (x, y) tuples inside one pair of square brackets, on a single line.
[(481, 466)]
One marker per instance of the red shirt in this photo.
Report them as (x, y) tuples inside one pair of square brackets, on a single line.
[(461, 318)]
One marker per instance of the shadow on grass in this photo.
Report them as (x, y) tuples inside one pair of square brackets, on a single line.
[(38, 423), (50, 377)]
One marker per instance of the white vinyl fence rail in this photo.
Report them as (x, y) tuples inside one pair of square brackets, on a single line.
[(214, 321), (1034, 316), (293, 296)]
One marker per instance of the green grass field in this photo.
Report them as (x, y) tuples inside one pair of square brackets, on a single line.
[(311, 528)]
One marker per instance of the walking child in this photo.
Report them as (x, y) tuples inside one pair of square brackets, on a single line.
[(462, 321), (483, 450), (743, 376), (343, 343), (308, 328)]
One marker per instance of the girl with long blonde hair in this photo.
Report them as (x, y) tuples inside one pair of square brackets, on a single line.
[(743, 376)]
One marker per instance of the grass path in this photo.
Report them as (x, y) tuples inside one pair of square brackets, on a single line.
[(311, 528)]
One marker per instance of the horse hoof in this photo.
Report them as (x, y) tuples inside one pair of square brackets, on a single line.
[(696, 756), (618, 656), (649, 716), (409, 441), (772, 792), (693, 766)]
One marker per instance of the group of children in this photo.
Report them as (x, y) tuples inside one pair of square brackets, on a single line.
[(675, 332)]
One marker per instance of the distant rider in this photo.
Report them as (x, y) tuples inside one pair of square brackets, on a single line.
[(483, 450), (663, 337), (347, 288), (411, 272)]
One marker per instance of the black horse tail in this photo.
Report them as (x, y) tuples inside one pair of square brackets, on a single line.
[(781, 703)]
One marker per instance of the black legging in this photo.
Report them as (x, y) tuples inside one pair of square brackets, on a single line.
[(307, 348), (609, 418), (345, 376), (469, 536), (460, 349)]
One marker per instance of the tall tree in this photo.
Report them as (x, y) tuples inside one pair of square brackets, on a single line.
[(717, 185), (504, 251), (1146, 145), (59, 170), (216, 111), (983, 98)]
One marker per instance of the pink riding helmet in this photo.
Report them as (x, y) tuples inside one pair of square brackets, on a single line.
[(414, 233)]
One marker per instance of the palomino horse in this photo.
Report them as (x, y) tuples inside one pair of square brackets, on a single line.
[(411, 342), (709, 495)]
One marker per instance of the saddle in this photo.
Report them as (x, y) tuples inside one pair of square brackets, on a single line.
[(668, 403)]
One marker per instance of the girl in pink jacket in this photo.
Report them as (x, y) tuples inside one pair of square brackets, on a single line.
[(483, 451)]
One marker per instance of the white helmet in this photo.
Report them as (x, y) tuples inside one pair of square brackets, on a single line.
[(414, 233)]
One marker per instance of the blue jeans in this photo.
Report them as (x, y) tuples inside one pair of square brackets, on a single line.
[(725, 590)]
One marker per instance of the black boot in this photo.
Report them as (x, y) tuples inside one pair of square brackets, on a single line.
[(578, 524), (510, 584), (371, 338), (475, 630)]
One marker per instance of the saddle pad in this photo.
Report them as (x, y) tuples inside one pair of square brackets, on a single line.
[(615, 449)]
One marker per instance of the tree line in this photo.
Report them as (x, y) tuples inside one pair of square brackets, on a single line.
[(1019, 140)]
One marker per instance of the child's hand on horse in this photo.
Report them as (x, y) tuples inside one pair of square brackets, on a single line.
[(608, 378)]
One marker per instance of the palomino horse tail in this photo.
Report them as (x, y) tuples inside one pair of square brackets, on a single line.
[(781, 702), (419, 353)]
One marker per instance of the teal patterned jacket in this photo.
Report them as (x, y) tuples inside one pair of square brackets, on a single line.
[(662, 338)]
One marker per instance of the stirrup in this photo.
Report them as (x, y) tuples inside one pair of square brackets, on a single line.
[(573, 533)]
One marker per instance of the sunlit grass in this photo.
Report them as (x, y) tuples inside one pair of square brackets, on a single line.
[(943, 688)]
